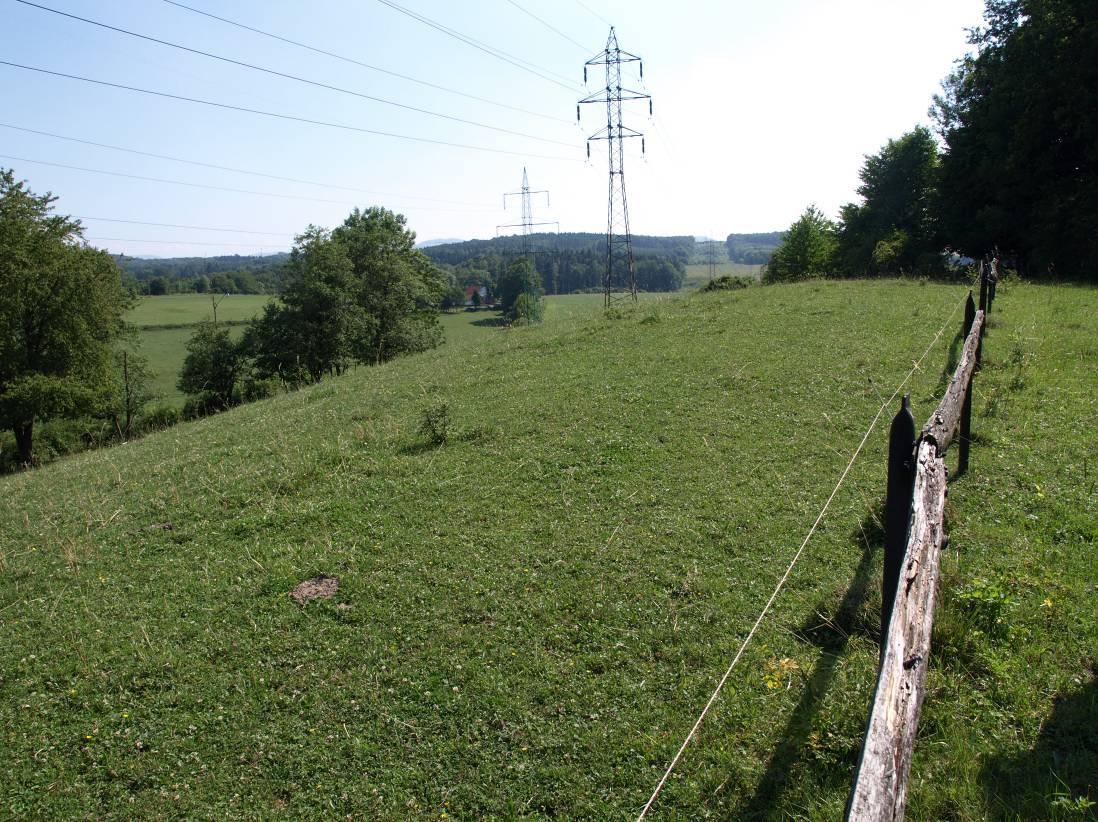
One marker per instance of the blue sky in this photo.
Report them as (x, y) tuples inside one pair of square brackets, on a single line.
[(760, 109)]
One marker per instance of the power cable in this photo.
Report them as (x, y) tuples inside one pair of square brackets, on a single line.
[(593, 13), (789, 570), (351, 60), (175, 225), (517, 62), (179, 242), (212, 187), (551, 28), (243, 171), (295, 78), (290, 117)]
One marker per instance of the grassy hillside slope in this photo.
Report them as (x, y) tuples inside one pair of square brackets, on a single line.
[(530, 616)]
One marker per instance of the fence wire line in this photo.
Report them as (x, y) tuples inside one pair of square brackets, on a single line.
[(781, 582)]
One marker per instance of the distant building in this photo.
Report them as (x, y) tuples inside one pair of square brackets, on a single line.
[(477, 289)]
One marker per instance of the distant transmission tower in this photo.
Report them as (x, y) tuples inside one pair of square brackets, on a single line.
[(527, 212), (712, 259), (621, 271)]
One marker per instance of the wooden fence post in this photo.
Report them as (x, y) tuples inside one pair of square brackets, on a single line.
[(983, 287), (993, 278), (901, 481), (966, 409)]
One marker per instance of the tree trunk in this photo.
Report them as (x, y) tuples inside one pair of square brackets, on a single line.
[(24, 433)]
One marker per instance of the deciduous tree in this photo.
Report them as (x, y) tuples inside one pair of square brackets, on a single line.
[(61, 306)]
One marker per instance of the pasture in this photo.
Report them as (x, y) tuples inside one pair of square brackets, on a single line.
[(531, 614)]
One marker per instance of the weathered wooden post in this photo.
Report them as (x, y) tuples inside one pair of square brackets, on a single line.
[(983, 286), (993, 278), (966, 409), (901, 481)]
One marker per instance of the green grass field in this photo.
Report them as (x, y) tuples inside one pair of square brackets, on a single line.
[(531, 615)]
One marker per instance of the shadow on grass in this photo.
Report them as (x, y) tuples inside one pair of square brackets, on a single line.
[(491, 322), (1049, 781), (952, 359), (831, 634)]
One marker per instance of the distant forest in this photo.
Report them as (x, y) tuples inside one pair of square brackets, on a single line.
[(233, 274), (752, 249), (568, 262)]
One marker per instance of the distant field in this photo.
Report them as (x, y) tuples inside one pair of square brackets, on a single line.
[(189, 309), (698, 275), (166, 323)]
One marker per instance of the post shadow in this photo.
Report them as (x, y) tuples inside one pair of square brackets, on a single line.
[(1062, 763), (831, 636)]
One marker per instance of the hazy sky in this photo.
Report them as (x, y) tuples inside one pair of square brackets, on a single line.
[(760, 109)]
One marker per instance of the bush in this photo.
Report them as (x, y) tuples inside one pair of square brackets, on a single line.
[(728, 283), (528, 309), (434, 424)]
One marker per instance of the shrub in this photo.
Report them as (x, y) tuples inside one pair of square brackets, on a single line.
[(728, 283), (434, 423)]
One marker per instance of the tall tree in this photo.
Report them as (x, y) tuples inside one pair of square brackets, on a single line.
[(317, 325), (519, 278), (61, 305), (211, 370), (807, 249), (894, 229), (1019, 117), (398, 288)]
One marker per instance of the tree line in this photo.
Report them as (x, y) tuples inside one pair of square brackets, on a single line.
[(1011, 170), (234, 274)]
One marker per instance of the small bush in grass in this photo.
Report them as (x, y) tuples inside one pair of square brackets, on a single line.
[(728, 283), (435, 423), (985, 602)]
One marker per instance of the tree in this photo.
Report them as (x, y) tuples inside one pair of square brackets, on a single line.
[(807, 249), (211, 370), (899, 201), (1020, 122), (397, 287), (61, 306), (519, 278), (129, 390), (317, 326)]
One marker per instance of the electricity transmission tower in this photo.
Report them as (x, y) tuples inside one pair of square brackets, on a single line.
[(621, 271), (712, 259), (527, 212)]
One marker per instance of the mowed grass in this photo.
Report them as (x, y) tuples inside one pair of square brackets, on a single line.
[(531, 615)]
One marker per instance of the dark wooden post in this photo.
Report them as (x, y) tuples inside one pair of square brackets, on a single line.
[(983, 287), (901, 480), (993, 278), (966, 409)]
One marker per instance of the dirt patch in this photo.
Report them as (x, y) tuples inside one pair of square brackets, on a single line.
[(315, 588)]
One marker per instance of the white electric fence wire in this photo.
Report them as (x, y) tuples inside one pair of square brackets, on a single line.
[(789, 570)]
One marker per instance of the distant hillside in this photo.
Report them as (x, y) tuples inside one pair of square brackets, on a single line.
[(752, 249), (429, 243)]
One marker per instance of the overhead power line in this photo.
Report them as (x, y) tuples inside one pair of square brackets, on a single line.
[(294, 77), (190, 227), (212, 187), (291, 117), (517, 62), (551, 28), (361, 64), (333, 186), (178, 242), (593, 13)]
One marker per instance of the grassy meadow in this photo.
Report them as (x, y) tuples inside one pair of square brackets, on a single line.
[(531, 613)]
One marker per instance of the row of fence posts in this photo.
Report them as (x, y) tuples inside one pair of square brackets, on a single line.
[(903, 451)]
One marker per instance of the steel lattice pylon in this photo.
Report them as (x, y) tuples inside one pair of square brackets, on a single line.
[(621, 274), (527, 212)]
